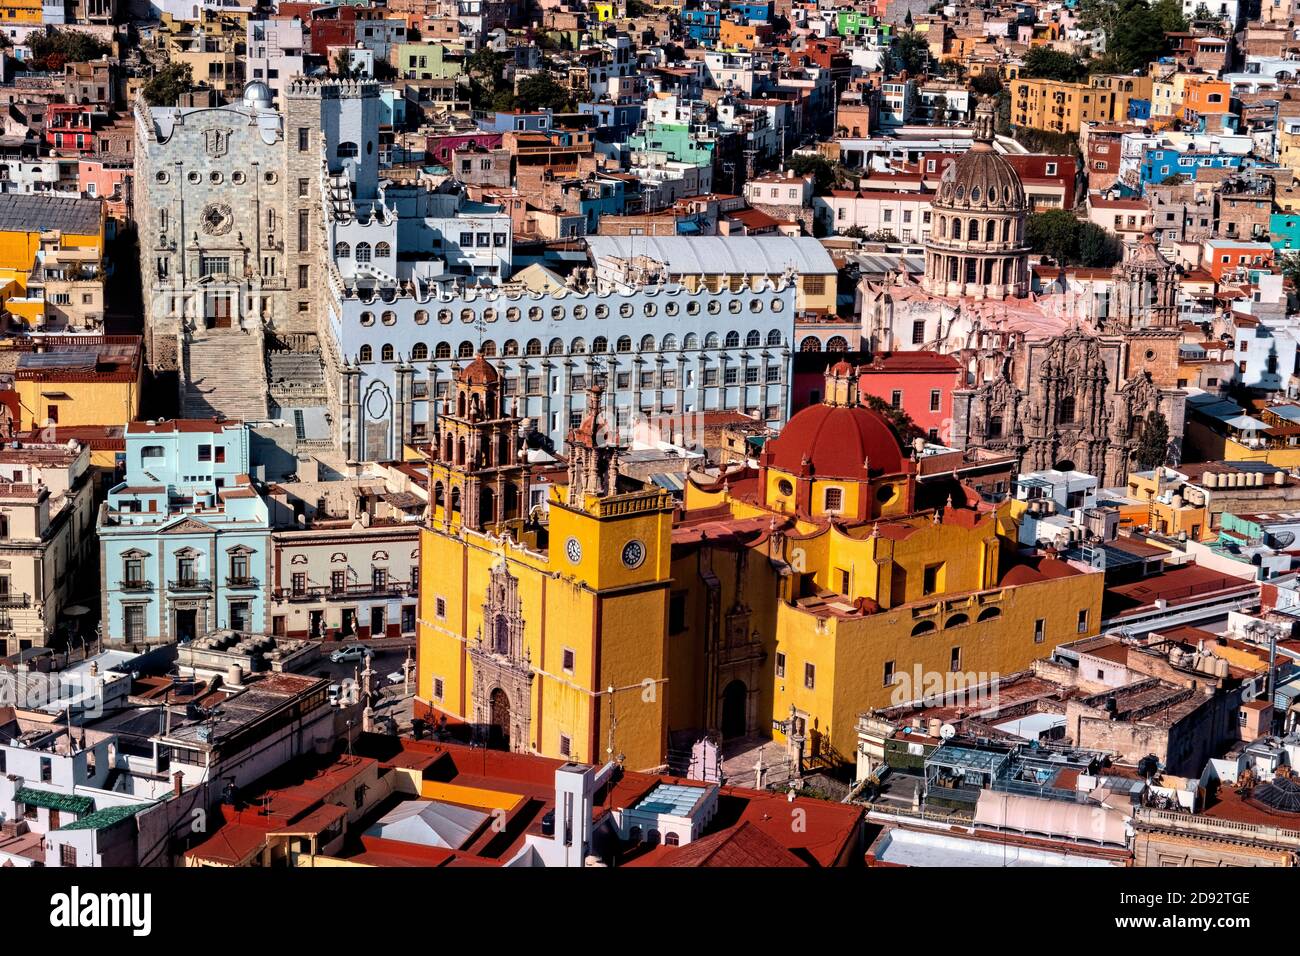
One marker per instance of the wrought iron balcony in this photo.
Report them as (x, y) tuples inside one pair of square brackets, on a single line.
[(241, 582), (189, 584)]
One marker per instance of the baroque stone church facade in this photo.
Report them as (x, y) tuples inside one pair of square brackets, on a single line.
[(1060, 383)]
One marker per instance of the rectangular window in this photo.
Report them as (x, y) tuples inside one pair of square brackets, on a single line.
[(566, 745), (338, 581), (1040, 630), (889, 673), (304, 276), (299, 583), (934, 399), (1083, 621), (67, 855), (932, 579), (730, 375), (205, 453), (304, 230), (918, 332), (780, 664), (677, 612), (303, 132), (896, 398), (772, 373), (809, 676), (133, 621), (954, 659), (567, 660), (238, 568), (132, 573), (302, 188), (814, 285), (437, 688), (710, 376)]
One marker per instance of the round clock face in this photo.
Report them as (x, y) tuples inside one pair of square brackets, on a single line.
[(573, 549), (633, 554)]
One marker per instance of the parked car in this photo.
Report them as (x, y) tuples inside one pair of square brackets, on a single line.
[(335, 691), (396, 677), (354, 652)]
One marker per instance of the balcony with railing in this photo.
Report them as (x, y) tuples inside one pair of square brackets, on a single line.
[(189, 584), (12, 599), (136, 584), (345, 592), (241, 582)]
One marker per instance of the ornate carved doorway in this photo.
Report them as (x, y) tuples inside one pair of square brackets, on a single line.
[(499, 732)]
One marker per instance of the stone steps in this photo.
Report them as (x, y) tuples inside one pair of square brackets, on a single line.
[(225, 374)]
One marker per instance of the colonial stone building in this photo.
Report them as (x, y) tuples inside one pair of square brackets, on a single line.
[(1060, 380)]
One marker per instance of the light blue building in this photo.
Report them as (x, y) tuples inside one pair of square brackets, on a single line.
[(185, 538)]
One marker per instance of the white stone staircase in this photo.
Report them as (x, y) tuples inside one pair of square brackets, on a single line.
[(225, 374)]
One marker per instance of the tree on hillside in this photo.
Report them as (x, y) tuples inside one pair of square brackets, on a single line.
[(825, 175), (66, 46), (542, 91), (1097, 248), (1051, 64), (908, 431), (911, 52), (1153, 447), (1054, 233), (986, 84), (168, 85)]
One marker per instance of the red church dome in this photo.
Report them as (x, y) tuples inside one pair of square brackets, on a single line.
[(837, 440)]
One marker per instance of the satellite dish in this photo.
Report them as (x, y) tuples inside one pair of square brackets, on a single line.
[(947, 732)]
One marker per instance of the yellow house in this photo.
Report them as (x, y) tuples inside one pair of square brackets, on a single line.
[(1063, 107), (784, 599), (1167, 502), (79, 381), (20, 11), (51, 247)]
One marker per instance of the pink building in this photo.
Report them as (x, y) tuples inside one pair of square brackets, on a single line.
[(440, 147), (920, 383), (110, 180)]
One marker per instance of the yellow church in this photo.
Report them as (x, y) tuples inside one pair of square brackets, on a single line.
[(782, 599)]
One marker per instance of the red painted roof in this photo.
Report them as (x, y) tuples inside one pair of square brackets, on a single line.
[(838, 441)]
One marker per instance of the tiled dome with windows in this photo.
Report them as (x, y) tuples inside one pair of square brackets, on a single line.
[(976, 246)]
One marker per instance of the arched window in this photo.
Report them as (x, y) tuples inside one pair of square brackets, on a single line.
[(837, 344), (342, 250), (442, 350), (672, 839), (488, 349), (419, 352), (348, 150), (669, 344), (466, 350), (973, 229), (774, 338), (439, 496), (365, 354), (386, 353), (599, 344), (753, 339), (152, 451), (692, 341), (556, 347), (578, 347), (988, 231), (733, 340), (509, 347), (957, 620), (363, 252), (923, 627), (624, 343), (943, 227), (647, 343), (989, 614), (711, 340), (534, 347), (383, 250), (810, 344)]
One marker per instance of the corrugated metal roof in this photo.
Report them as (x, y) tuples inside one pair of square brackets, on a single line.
[(720, 255)]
